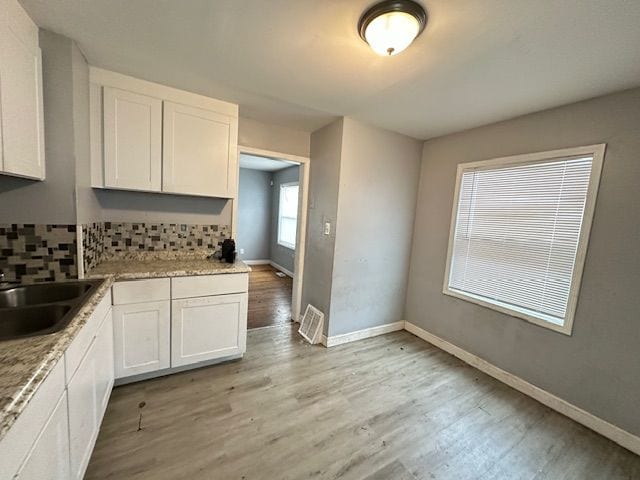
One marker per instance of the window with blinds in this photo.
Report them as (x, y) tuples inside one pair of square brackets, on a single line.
[(519, 232)]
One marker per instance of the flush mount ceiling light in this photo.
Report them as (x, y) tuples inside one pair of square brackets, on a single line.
[(390, 26)]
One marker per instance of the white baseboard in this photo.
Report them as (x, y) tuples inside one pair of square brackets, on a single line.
[(362, 334), (281, 268), (257, 262), (604, 428)]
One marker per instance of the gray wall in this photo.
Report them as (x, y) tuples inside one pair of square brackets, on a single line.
[(283, 256), (326, 147), (252, 133), (378, 186), (87, 206), (122, 206), (51, 201), (598, 367), (254, 214)]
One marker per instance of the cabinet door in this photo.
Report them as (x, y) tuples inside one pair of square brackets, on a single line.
[(104, 356), (49, 457), (207, 328), (199, 151), (141, 338), (21, 114), (132, 140), (83, 412)]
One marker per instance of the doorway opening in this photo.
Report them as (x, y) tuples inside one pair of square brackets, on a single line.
[(270, 221)]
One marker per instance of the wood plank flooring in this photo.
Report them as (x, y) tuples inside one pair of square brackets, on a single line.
[(269, 297), (389, 407)]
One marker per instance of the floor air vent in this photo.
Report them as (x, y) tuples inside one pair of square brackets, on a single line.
[(311, 325)]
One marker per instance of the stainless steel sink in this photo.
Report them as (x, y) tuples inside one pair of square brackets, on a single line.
[(42, 293), (23, 322), (43, 308)]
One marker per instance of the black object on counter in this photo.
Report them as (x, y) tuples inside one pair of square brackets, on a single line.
[(228, 253)]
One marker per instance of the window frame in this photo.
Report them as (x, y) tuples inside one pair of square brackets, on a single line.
[(597, 151), (280, 216)]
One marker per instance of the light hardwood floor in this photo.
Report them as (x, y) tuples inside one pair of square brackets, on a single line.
[(269, 297), (389, 407)]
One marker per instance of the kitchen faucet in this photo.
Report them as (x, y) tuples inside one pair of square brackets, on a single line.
[(3, 282)]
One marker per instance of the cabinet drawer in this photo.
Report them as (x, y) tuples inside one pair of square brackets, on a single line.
[(138, 291), (80, 344), (206, 285)]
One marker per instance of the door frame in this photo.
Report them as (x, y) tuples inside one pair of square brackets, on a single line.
[(301, 233)]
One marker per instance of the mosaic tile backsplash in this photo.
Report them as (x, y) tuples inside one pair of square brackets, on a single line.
[(112, 239), (92, 244), (38, 253)]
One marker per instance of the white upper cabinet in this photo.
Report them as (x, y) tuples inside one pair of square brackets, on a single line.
[(197, 158), (132, 140), (21, 113), (149, 137)]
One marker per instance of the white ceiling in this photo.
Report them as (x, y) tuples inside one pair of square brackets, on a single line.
[(265, 164), (300, 63)]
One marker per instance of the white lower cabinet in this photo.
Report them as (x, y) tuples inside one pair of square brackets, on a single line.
[(141, 337), (105, 374), (49, 457), (206, 328), (87, 391), (54, 436), (161, 323)]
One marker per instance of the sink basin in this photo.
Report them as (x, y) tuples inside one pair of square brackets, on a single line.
[(42, 293), (43, 308), (29, 321)]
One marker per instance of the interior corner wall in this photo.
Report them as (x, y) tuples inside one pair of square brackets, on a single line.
[(254, 214), (379, 173), (326, 147), (87, 206), (51, 201), (283, 256), (598, 367), (252, 133)]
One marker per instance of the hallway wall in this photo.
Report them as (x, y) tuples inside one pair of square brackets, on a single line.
[(254, 214)]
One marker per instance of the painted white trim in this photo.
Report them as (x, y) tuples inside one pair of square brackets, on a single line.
[(604, 428), (281, 268), (362, 334), (256, 262), (597, 152), (272, 154), (301, 234)]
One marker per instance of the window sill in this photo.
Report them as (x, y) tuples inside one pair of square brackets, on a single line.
[(288, 246), (565, 328)]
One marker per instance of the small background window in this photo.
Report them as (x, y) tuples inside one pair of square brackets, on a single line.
[(288, 215)]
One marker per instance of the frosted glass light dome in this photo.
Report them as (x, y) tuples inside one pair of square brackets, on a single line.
[(391, 26), (391, 33)]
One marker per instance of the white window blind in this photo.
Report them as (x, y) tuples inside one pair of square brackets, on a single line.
[(288, 215), (518, 233)]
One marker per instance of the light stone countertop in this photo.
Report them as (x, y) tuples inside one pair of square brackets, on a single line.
[(150, 267), (25, 363)]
